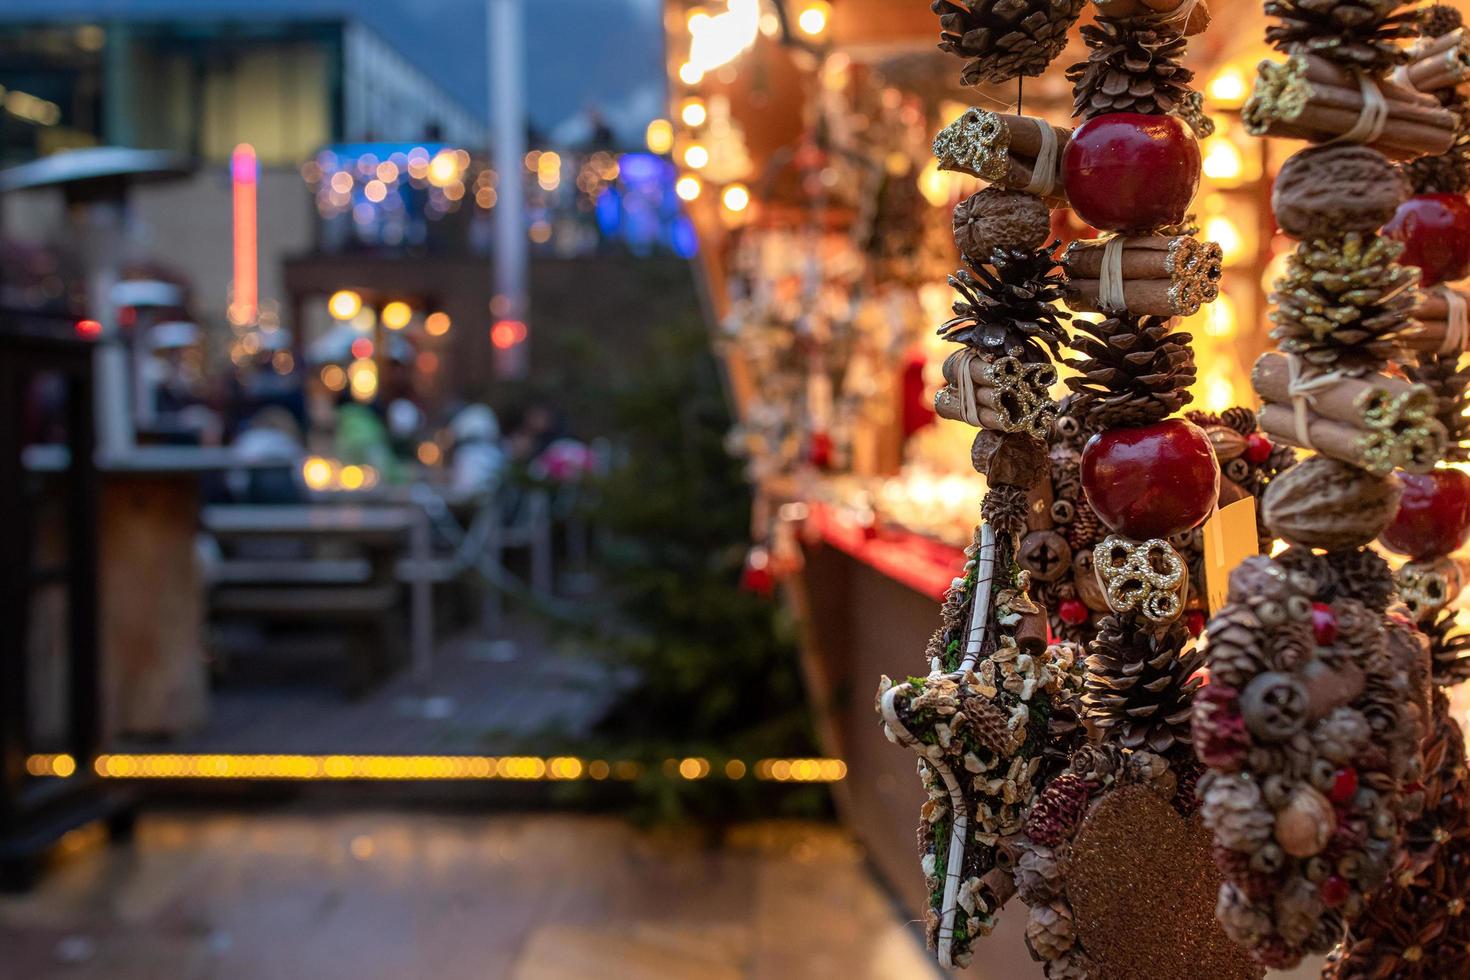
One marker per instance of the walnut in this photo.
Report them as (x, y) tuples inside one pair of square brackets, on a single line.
[(1329, 190), (1323, 503), (999, 218)]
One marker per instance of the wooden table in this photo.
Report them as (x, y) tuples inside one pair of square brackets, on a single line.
[(366, 524)]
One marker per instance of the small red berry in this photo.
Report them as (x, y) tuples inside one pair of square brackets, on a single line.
[(1074, 612), (1257, 448), (1195, 621), (1324, 624), (1344, 785), (1335, 890)]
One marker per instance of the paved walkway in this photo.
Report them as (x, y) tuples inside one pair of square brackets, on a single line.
[(302, 895)]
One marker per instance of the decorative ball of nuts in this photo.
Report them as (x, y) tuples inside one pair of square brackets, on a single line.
[(1329, 190), (999, 218), (1323, 503)]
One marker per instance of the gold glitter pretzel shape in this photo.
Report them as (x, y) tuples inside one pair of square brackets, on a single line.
[(1146, 576), (1021, 391)]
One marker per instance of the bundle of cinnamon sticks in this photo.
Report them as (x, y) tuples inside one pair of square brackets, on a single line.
[(1003, 149), (1160, 275), (1308, 97), (1437, 63), (1010, 396), (1377, 423), (1432, 332)]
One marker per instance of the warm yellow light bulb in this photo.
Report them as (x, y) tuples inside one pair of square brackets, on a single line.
[(688, 188), (1227, 90), (695, 156), (690, 73), (1222, 159), (736, 197), (814, 18), (436, 324), (344, 304), (395, 315), (693, 113), (659, 136)]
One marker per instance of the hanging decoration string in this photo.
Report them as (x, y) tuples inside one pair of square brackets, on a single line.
[(965, 384), (1048, 162), (1110, 280), (1457, 321), (1303, 389), (1371, 120)]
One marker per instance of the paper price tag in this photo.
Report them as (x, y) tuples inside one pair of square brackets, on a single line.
[(1229, 539)]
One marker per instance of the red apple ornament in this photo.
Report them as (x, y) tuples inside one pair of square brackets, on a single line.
[(1435, 230), (1434, 514), (1151, 481), (1126, 171)]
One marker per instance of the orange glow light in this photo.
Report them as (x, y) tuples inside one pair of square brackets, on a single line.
[(88, 329), (507, 333), (244, 173)]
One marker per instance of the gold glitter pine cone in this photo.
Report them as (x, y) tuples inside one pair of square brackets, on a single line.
[(1003, 39), (1342, 302)]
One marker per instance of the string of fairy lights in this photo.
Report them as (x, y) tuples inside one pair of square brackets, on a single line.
[(421, 768)]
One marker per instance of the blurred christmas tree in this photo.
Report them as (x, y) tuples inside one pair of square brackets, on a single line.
[(715, 666)]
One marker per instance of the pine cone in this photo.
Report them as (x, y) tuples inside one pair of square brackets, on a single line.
[(1085, 529), (1356, 34), (1133, 67), (1004, 38), (934, 650), (1452, 387), (1235, 811), (1004, 509), (1443, 173), (1239, 418), (1220, 737), (1011, 302), (1140, 687), (1058, 809), (1038, 875), (1362, 574), (1449, 649), (1049, 933), (1235, 654), (988, 722), (1439, 19), (1342, 302), (1133, 370)]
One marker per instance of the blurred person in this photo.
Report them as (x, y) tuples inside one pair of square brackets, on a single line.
[(536, 428), (477, 460), (181, 409), (272, 436), (361, 438)]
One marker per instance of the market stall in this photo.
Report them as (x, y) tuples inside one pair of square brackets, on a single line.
[(1111, 329)]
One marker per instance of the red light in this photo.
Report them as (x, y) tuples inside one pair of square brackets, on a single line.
[(89, 329), (362, 347), (507, 333), (427, 362)]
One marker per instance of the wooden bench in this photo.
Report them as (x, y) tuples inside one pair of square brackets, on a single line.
[(348, 577)]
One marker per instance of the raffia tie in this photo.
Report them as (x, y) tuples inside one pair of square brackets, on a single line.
[(1303, 390), (1110, 280), (965, 384), (1371, 120), (1044, 176), (1457, 321)]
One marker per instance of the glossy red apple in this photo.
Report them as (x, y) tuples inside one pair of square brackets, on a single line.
[(1151, 481), (1435, 230), (1126, 171), (1434, 514)]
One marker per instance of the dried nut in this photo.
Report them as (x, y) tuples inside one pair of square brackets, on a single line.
[(999, 218), (1084, 579), (1323, 503), (1330, 190), (1045, 554), (1016, 458), (1305, 824), (1227, 442), (1274, 706)]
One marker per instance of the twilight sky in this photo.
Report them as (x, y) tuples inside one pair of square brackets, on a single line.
[(580, 53)]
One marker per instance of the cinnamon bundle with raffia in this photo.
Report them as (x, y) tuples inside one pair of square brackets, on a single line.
[(1310, 98), (1160, 275), (1439, 326), (1005, 150), (1378, 423), (1437, 63), (1008, 395)]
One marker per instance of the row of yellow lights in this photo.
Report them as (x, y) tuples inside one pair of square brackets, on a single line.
[(426, 767)]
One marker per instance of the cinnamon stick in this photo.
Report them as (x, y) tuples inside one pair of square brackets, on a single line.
[(1353, 401), (1329, 438), (998, 147), (1146, 257), (1150, 297), (1414, 448), (1426, 336)]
